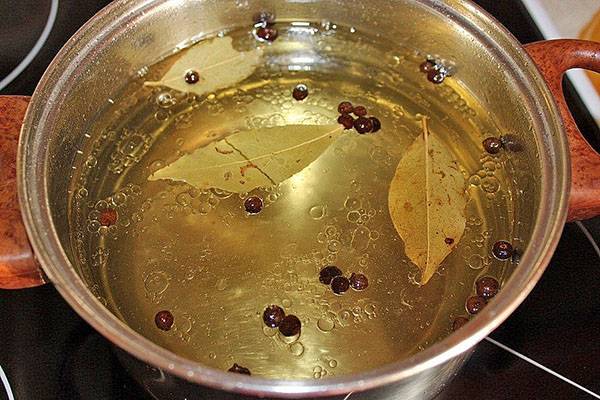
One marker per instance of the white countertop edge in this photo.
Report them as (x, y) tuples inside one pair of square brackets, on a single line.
[(578, 77)]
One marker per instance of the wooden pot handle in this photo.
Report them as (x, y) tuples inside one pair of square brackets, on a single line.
[(18, 268), (553, 59)]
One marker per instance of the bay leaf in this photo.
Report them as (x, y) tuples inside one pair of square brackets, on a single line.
[(216, 61), (253, 158), (427, 201)]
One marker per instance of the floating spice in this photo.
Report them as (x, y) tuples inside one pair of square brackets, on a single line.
[(492, 145), (502, 250), (164, 320), (290, 326), (238, 369), (264, 18), (487, 287), (254, 158), (358, 281), (192, 77), (212, 65), (266, 33), (459, 322), (253, 204), (273, 315), (376, 124), (511, 142), (340, 284), (427, 66), (435, 77), (360, 111), (300, 92), (346, 120), (363, 125), (108, 217), (345, 107), (516, 256), (328, 273), (475, 304), (427, 202), (435, 70)]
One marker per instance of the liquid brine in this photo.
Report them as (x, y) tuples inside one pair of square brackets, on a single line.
[(149, 245)]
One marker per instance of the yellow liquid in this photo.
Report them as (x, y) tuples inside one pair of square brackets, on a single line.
[(201, 256)]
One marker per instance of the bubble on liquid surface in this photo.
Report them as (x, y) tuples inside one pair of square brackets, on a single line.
[(352, 203), (353, 217), (475, 180), (361, 238), (490, 184), (119, 199), (475, 261), (161, 115), (325, 324), (317, 212), (296, 349), (82, 192), (156, 283), (165, 100), (333, 246)]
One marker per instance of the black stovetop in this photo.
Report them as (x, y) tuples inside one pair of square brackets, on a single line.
[(548, 349)]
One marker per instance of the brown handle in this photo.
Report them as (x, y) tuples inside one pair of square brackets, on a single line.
[(18, 268), (553, 59)]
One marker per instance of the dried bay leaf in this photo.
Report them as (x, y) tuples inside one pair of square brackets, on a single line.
[(427, 202), (216, 61), (254, 158)]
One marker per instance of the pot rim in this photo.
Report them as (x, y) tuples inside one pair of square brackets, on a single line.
[(33, 197)]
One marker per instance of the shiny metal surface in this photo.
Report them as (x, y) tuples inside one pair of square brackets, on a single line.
[(130, 34)]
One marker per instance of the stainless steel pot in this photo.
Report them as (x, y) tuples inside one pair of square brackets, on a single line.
[(563, 177)]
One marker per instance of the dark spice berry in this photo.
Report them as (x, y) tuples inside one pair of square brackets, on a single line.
[(300, 92), (253, 204), (358, 281), (487, 287), (290, 326), (435, 77), (449, 241), (376, 124), (267, 34), (475, 304), (345, 107), (328, 273), (363, 125), (459, 322), (340, 284), (108, 217), (347, 120), (192, 77), (238, 369), (360, 111), (263, 18), (516, 257), (164, 320), (511, 142), (492, 145), (502, 250), (273, 315), (427, 66)]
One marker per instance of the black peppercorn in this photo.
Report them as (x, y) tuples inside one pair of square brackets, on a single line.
[(328, 273)]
